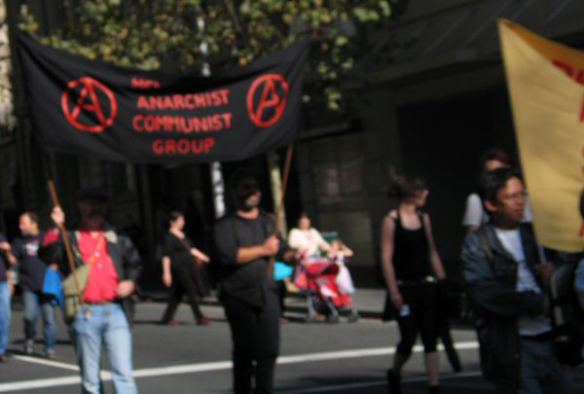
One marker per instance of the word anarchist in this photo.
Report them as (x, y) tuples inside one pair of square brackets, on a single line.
[(91, 108)]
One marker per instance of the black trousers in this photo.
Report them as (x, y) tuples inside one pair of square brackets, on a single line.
[(255, 332), (183, 283), (282, 292), (448, 342), (422, 300)]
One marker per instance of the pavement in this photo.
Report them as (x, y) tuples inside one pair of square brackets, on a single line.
[(368, 301), (344, 358)]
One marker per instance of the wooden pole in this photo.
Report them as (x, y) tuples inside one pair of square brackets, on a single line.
[(280, 207), (275, 170), (65, 236)]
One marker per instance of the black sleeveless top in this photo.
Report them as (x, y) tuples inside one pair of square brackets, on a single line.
[(411, 260)]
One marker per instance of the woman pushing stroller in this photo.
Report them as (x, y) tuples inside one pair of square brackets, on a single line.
[(323, 274)]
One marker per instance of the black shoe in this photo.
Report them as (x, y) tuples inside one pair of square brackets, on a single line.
[(393, 382), (434, 389), (3, 358)]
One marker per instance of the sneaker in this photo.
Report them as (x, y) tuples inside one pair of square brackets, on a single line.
[(29, 346), (50, 354), (171, 322)]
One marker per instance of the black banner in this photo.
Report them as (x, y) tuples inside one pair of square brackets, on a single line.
[(87, 107)]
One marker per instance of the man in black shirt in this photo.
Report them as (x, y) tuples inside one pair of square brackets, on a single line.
[(244, 244)]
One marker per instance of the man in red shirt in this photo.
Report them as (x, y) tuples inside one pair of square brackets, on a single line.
[(103, 320)]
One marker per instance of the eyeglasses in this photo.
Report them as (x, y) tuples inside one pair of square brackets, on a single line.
[(522, 195)]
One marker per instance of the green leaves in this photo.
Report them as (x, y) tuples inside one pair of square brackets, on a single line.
[(146, 34)]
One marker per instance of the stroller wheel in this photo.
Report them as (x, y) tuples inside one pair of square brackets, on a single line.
[(332, 319), (354, 317), (310, 319)]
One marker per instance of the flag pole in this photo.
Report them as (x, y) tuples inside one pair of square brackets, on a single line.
[(65, 237), (280, 208)]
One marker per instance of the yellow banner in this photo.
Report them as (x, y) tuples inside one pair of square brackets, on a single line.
[(546, 83)]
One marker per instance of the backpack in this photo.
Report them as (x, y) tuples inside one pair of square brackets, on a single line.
[(567, 316)]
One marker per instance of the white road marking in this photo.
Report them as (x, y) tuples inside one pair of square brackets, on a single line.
[(347, 354), (378, 383), (39, 384), (182, 369), (204, 367), (49, 363)]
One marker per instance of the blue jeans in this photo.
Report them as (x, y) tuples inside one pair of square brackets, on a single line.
[(107, 327), (541, 370), (34, 304), (5, 316)]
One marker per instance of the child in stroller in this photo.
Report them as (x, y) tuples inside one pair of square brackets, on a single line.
[(324, 295), (318, 276)]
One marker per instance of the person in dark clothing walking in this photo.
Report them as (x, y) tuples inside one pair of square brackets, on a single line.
[(409, 258), (244, 244), (179, 255), (507, 284), (31, 274)]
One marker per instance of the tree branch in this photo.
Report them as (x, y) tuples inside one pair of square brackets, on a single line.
[(234, 15)]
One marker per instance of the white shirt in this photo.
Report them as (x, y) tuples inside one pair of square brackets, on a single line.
[(475, 214), (309, 240), (511, 240)]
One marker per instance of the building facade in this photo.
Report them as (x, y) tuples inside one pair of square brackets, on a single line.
[(428, 98), (431, 98)]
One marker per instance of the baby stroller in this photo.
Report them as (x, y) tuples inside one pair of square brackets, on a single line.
[(323, 295)]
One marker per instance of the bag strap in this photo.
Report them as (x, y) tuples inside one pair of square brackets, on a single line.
[(93, 257), (188, 248), (185, 244), (484, 241)]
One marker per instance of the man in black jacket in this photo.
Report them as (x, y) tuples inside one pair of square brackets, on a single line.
[(505, 281), (102, 323), (244, 244)]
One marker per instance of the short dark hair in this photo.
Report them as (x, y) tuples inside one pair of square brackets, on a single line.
[(242, 185), (174, 215), (50, 254), (93, 195), (495, 154), (32, 216), (491, 182), (403, 187)]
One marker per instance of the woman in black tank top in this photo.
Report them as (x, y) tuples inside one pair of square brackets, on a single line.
[(410, 254), (409, 259)]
